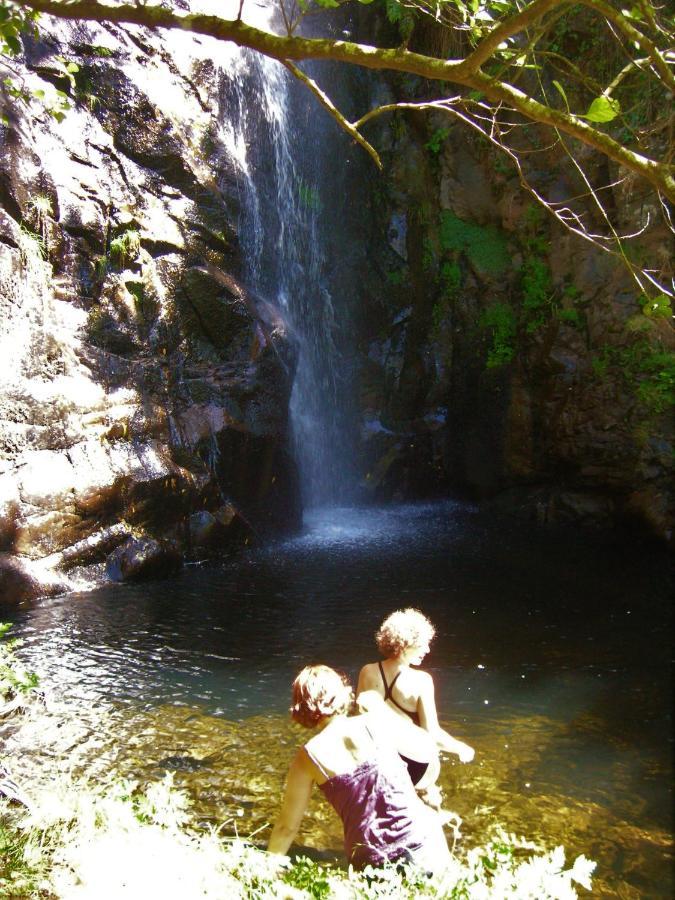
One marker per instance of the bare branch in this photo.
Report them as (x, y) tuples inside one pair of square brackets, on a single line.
[(328, 105)]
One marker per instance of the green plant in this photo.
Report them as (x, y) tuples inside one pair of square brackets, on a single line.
[(100, 267), (485, 246), (310, 877), (13, 677), (656, 387), (76, 835), (569, 316), (125, 248), (395, 277), (428, 255), (309, 196), (84, 91), (99, 51), (451, 277), (502, 164), (41, 205), (658, 307), (31, 248), (436, 141), (648, 370), (501, 320), (600, 365), (537, 293)]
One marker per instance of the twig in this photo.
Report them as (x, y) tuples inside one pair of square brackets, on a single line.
[(328, 104)]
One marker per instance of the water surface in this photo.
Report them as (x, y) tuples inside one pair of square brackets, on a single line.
[(552, 658)]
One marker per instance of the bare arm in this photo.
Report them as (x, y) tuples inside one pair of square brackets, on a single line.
[(296, 797), (429, 721)]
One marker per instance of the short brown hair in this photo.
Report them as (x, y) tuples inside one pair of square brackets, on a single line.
[(320, 691), (403, 629)]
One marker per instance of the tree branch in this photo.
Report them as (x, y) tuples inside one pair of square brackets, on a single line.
[(532, 13), (400, 60), (328, 105), (634, 34), (659, 174)]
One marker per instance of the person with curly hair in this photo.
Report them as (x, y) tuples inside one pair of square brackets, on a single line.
[(360, 772), (404, 639)]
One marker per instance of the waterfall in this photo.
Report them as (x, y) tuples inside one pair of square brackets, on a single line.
[(291, 226)]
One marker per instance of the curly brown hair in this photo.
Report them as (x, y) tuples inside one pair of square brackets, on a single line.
[(403, 629), (319, 691)]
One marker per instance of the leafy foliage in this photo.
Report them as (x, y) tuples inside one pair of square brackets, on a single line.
[(116, 840), (658, 307), (501, 320), (485, 246), (436, 141), (125, 248), (649, 371), (13, 677), (15, 19), (537, 293)]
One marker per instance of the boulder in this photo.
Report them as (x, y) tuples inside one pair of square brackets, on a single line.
[(218, 529), (140, 558), (22, 579)]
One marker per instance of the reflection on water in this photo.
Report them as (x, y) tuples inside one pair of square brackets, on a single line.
[(551, 659)]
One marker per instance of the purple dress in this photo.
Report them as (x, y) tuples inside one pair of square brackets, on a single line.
[(383, 818)]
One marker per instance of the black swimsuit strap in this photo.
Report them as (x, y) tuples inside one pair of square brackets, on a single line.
[(387, 687), (388, 695)]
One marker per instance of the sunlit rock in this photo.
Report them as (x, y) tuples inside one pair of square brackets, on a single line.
[(132, 363), (22, 579)]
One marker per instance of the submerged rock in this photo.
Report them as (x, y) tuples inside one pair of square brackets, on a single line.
[(140, 558)]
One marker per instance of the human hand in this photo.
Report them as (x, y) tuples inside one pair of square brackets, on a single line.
[(465, 753)]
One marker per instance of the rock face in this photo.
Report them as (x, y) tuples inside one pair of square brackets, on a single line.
[(142, 388), (507, 359)]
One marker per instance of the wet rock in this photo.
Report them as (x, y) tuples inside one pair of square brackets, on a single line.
[(129, 349), (219, 529), (140, 558), (21, 579)]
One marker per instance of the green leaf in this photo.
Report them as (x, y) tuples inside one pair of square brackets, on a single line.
[(562, 93), (13, 44), (603, 109)]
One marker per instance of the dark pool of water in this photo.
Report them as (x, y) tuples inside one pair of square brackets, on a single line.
[(552, 657)]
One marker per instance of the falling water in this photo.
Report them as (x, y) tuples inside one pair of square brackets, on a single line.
[(290, 230)]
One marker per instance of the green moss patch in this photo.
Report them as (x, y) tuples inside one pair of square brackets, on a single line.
[(485, 245)]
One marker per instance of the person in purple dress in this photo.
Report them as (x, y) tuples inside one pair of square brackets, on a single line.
[(355, 762)]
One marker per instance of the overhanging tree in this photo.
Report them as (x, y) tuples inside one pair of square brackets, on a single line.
[(510, 63)]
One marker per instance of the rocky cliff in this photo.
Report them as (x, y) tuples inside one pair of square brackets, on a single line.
[(507, 358), (143, 390)]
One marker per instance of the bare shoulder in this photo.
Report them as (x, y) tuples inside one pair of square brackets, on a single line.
[(302, 760), (423, 681), (368, 677)]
